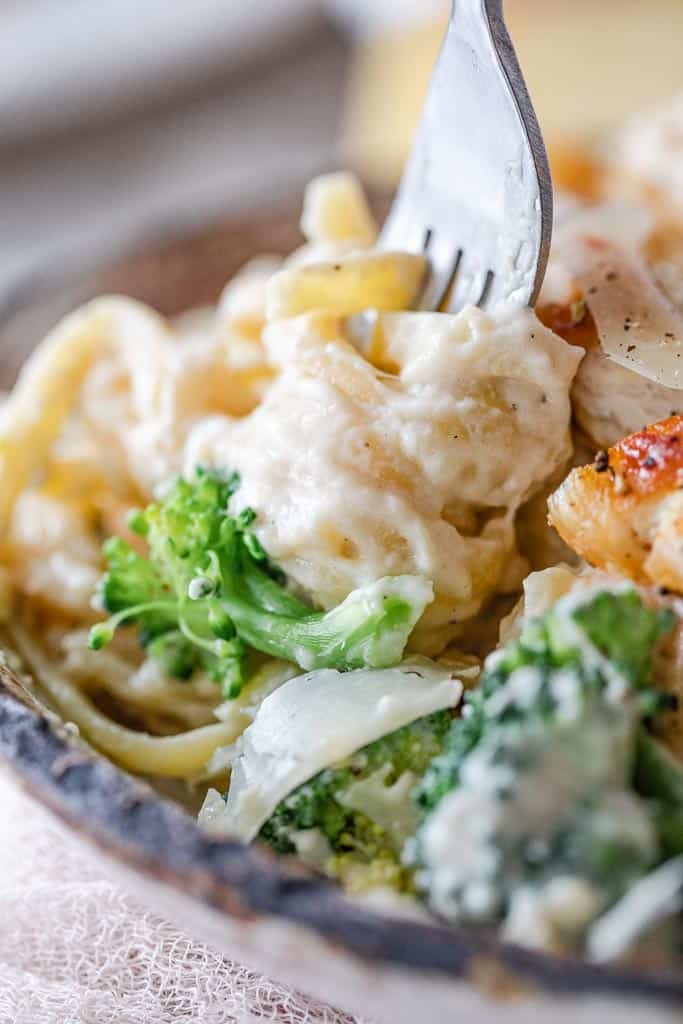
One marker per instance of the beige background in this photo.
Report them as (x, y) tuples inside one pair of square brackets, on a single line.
[(245, 136)]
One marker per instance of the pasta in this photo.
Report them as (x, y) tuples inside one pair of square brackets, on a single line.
[(319, 526), (336, 210), (179, 756), (422, 480), (381, 281), (117, 400)]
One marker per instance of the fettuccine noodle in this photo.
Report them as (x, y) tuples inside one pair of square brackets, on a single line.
[(362, 458), (181, 756)]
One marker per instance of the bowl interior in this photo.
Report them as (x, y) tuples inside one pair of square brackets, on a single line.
[(127, 818)]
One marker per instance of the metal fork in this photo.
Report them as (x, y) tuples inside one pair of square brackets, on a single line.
[(476, 194)]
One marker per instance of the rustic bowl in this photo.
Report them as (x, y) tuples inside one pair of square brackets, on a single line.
[(261, 910)]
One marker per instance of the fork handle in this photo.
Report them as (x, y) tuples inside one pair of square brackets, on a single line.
[(508, 59), (492, 10), (476, 188)]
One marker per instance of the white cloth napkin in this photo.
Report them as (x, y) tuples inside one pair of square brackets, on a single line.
[(76, 949)]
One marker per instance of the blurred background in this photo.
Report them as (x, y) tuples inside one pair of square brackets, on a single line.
[(124, 121)]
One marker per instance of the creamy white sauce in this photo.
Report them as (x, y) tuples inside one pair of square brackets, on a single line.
[(469, 846), (356, 474)]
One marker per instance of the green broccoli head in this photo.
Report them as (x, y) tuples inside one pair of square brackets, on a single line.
[(537, 802), (538, 772), (624, 630), (362, 808), (578, 651), (207, 592)]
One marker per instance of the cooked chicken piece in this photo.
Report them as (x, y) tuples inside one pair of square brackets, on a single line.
[(624, 513), (623, 310), (614, 285), (608, 400)]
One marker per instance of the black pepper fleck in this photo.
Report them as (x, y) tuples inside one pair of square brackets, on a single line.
[(601, 462), (650, 463)]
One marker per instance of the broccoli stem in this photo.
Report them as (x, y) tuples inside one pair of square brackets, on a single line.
[(368, 629), (209, 587), (269, 595)]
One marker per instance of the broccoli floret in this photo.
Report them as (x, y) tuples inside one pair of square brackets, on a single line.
[(658, 775), (539, 769), (536, 802), (175, 653), (362, 806), (207, 592), (625, 631), (560, 662), (132, 588)]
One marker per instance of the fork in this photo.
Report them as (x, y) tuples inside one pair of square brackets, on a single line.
[(476, 195)]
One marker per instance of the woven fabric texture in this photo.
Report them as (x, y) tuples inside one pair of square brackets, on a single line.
[(76, 949)]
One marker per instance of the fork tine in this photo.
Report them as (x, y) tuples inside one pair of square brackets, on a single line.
[(472, 286), (477, 174), (443, 270), (486, 291)]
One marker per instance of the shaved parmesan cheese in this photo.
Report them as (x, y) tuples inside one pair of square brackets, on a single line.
[(317, 720), (638, 327), (212, 814)]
